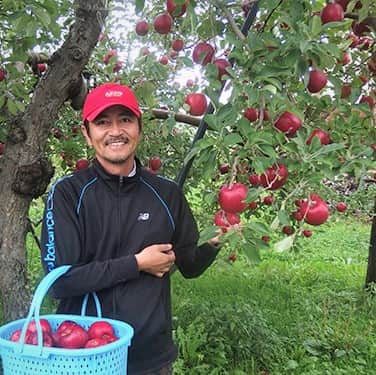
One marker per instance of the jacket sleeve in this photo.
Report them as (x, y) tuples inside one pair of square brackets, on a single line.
[(61, 244), (191, 260)]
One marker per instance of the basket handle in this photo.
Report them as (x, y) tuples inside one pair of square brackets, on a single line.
[(97, 304), (35, 306)]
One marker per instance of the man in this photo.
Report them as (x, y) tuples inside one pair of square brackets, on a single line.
[(122, 228)]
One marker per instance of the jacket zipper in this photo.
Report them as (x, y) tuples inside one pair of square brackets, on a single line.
[(114, 298)]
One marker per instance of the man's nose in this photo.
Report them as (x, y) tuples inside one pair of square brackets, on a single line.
[(116, 127)]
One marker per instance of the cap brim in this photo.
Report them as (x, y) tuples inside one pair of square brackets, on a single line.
[(93, 115)]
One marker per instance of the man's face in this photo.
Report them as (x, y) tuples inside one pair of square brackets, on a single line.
[(114, 134)]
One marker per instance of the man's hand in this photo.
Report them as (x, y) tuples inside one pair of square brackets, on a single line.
[(156, 259)]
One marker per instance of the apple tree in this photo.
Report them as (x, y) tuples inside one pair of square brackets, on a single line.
[(276, 95)]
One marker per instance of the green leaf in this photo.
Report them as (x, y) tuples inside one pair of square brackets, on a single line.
[(259, 227), (199, 146), (12, 107), (232, 139), (316, 26), (140, 5), (284, 244), (41, 15), (251, 252), (207, 234)]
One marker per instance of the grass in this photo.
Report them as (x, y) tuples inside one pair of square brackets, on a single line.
[(304, 312)]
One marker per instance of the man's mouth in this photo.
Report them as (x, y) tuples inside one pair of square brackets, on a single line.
[(117, 142)]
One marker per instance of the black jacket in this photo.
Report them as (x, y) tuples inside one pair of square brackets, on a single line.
[(97, 222)]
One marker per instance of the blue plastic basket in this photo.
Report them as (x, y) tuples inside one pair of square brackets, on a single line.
[(24, 359)]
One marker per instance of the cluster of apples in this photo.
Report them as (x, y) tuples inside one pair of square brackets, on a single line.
[(336, 12), (203, 53), (68, 335), (232, 199)]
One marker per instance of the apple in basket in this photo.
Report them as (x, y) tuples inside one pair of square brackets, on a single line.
[(70, 335), (93, 343), (101, 330), (31, 338)]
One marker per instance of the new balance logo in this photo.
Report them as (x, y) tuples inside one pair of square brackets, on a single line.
[(143, 216)]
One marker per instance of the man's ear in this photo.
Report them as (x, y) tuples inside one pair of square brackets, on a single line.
[(86, 135)]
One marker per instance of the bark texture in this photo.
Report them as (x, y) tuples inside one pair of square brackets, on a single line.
[(25, 171)]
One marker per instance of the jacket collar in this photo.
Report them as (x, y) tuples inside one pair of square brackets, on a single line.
[(112, 177)]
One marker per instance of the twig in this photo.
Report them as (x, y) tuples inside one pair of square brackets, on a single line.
[(269, 16)]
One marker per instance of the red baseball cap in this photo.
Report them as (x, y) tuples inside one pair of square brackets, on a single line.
[(107, 95)]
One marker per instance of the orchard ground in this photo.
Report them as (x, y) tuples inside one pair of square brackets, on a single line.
[(303, 312)]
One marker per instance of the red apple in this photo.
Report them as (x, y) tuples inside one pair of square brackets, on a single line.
[(274, 177), (332, 13), (288, 123), (177, 45), (251, 114), (82, 164), (360, 28), (174, 10), (163, 60), (286, 229), (155, 163), (266, 116), (265, 238), (232, 258), (100, 330), (224, 168), (109, 55), (197, 103), (231, 197), (190, 83), (315, 211), (341, 206), (72, 337), (117, 66), (321, 134), (203, 53), (307, 233), (173, 54), (317, 81), (3, 74), (268, 200), (41, 67), (346, 58), (345, 91), (162, 24), (45, 325), (94, 343), (367, 99), (254, 179), (225, 220), (142, 28), (252, 205), (222, 65)]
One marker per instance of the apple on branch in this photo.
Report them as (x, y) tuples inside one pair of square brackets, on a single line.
[(203, 53), (142, 28), (197, 103), (162, 24)]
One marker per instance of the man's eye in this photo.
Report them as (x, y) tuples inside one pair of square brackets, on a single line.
[(125, 119), (101, 122)]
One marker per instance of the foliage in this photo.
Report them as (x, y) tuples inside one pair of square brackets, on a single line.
[(270, 70)]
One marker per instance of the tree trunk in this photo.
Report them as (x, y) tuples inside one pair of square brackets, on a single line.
[(24, 170), (371, 269)]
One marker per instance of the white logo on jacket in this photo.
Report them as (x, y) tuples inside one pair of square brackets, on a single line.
[(143, 216)]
